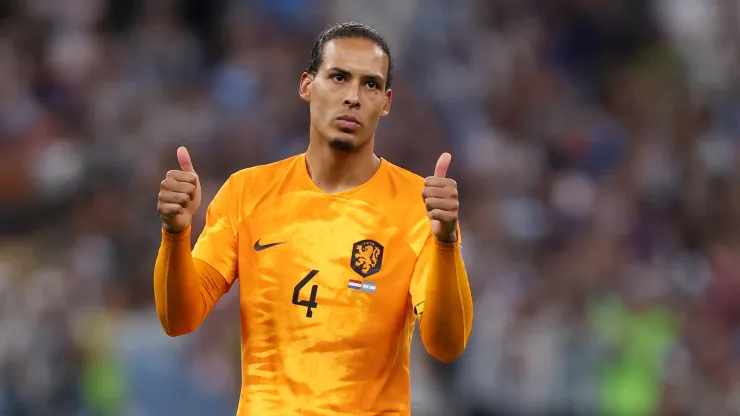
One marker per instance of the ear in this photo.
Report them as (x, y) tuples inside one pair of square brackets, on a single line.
[(387, 105), (304, 89)]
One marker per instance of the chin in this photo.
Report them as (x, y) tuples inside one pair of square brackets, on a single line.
[(343, 144)]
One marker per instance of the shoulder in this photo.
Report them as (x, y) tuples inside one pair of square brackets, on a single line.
[(248, 186), (403, 188), (263, 174), (405, 204), (403, 180)]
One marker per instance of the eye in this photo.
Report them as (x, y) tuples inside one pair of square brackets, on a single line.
[(372, 85), (338, 77)]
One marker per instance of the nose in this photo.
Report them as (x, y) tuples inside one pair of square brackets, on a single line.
[(352, 99)]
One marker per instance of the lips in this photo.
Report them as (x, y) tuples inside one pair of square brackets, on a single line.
[(348, 122)]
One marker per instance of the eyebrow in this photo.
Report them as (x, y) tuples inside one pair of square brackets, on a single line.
[(378, 79)]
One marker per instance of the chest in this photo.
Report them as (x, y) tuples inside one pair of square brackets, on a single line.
[(310, 260)]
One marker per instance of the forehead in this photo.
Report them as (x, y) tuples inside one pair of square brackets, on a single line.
[(355, 55)]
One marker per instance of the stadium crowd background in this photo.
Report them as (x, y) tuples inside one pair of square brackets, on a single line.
[(595, 144)]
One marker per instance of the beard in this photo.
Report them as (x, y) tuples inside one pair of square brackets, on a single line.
[(343, 145)]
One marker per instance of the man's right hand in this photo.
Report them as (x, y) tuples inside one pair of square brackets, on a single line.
[(179, 195)]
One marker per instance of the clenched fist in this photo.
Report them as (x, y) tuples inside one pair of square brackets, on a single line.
[(179, 195)]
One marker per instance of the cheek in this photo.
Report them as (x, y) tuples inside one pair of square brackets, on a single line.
[(323, 104), (318, 107), (376, 101), (375, 109)]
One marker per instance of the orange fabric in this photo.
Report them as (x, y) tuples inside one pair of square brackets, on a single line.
[(447, 317), (312, 343), (185, 290)]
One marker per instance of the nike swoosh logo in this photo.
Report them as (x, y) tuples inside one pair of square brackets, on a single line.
[(259, 247)]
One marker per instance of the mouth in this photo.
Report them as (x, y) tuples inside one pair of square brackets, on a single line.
[(348, 122)]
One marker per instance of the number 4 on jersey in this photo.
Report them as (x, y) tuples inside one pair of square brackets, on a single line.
[(311, 302)]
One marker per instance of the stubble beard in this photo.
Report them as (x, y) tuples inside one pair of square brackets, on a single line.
[(342, 145)]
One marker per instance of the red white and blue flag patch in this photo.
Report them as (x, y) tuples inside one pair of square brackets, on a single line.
[(355, 284)]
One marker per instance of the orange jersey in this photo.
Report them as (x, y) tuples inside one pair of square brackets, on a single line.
[(329, 287)]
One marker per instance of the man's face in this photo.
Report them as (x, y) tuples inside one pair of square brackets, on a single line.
[(347, 95)]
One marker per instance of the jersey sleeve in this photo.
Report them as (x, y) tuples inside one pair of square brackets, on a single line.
[(422, 268), (419, 277), (217, 244)]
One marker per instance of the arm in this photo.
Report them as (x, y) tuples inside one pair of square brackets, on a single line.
[(442, 298), (447, 315), (185, 290), (187, 285)]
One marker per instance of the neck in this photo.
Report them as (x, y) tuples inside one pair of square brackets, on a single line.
[(335, 170)]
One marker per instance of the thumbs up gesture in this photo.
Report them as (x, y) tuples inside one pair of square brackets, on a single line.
[(179, 195), (440, 198)]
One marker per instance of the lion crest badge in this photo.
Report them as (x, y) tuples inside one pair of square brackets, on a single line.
[(367, 257)]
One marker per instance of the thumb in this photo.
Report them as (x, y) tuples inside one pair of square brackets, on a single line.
[(443, 164), (183, 157)]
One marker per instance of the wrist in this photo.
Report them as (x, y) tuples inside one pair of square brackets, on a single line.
[(448, 239), (174, 231), (445, 245)]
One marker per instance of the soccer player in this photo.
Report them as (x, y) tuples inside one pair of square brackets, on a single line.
[(338, 252)]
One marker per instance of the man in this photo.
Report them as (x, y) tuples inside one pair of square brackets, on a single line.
[(338, 252)]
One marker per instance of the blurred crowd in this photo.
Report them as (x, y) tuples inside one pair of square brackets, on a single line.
[(595, 143)]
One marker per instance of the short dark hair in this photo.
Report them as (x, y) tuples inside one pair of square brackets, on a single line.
[(343, 31)]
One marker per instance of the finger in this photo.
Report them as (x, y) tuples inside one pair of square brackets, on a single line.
[(439, 182), (439, 192), (442, 204), (442, 215), (169, 197), (183, 157), (169, 210), (170, 184), (181, 176), (443, 164)]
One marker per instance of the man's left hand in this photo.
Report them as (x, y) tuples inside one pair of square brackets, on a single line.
[(440, 198)]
